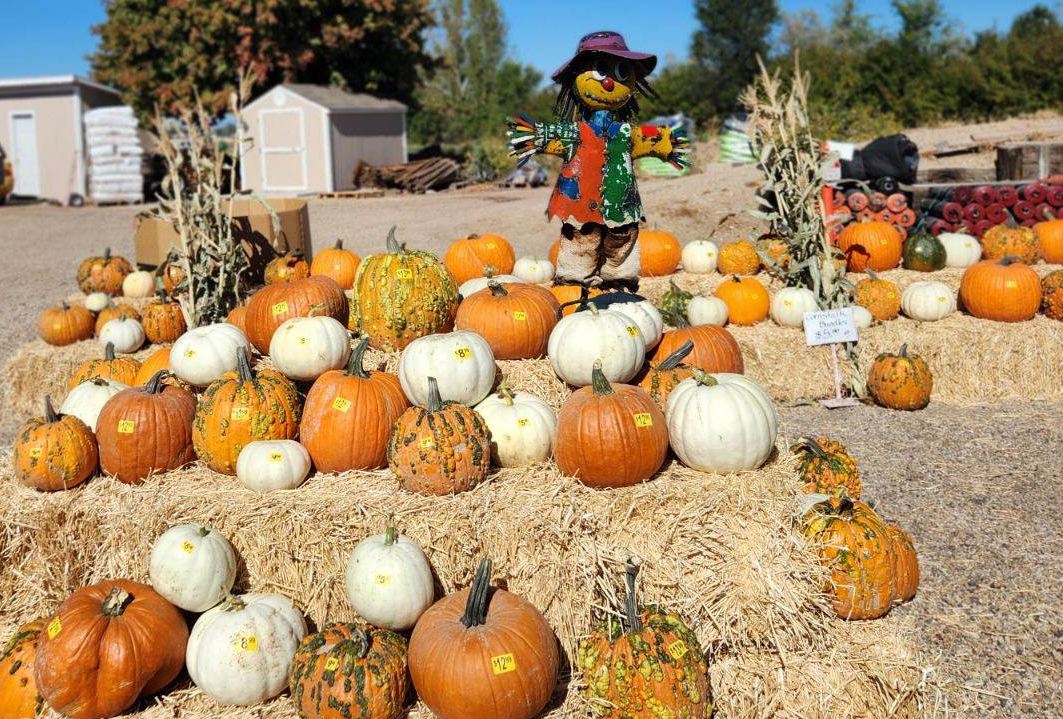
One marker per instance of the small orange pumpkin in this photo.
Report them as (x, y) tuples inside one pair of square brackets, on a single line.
[(121, 369), (900, 381), (173, 277), (554, 250), (1052, 295), (1003, 241), (775, 249), (515, 319), (566, 296), (660, 253), (881, 298), (470, 256), (163, 320), (747, 301), (738, 258), (870, 245), (660, 379), (1004, 290), (337, 263), (19, 698), (1050, 236), (286, 268), (103, 274), (65, 324), (54, 452), (715, 349)]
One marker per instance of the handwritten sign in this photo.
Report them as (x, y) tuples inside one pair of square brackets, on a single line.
[(825, 327)]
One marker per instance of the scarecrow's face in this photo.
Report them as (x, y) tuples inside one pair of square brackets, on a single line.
[(603, 83)]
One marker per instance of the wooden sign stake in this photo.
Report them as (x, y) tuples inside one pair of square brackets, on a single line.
[(837, 401)]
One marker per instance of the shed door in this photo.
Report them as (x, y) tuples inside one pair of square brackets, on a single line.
[(24, 153), (283, 145)]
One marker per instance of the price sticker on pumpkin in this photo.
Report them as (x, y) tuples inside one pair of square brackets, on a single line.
[(283, 271), (332, 663), (35, 453), (383, 579), (126, 426), (427, 443), (522, 422), (503, 664), (337, 266), (520, 316), (491, 246), (247, 643), (1011, 284), (404, 274), (240, 413), (97, 267), (678, 649), (643, 419), (279, 308), (188, 547), (275, 456), (303, 340), (54, 627), (57, 326), (463, 353), (633, 330), (341, 404), (189, 354)]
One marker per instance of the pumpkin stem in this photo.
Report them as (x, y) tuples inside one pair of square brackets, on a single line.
[(106, 253), (434, 403), (115, 603), (845, 507), (680, 320), (581, 303), (703, 378), (108, 351), (232, 603), (872, 274), (243, 366), (1009, 260), (496, 289), (393, 244), (599, 382), (490, 271), (203, 531), (49, 411), (814, 447), (360, 639), (64, 304), (672, 361), (154, 385), (505, 393), (354, 364), (1010, 221), (1049, 215), (904, 350), (339, 244), (476, 606), (317, 309), (390, 534), (632, 621)]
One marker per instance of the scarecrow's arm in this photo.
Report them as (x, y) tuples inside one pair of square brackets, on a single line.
[(668, 143), (550, 138)]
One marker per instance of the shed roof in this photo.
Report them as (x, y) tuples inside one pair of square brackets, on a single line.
[(337, 99), (23, 85)]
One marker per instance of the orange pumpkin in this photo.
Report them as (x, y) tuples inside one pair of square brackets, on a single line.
[(738, 258), (349, 414), (120, 311), (610, 435), (566, 295), (337, 263), (1004, 290), (103, 274), (483, 653), (881, 298), (238, 317), (870, 245), (286, 268), (121, 369), (441, 448), (515, 319), (108, 645), (54, 452), (775, 249), (470, 256), (907, 564), (1052, 295), (163, 321), (747, 301), (900, 381), (660, 379), (715, 349), (1003, 241), (554, 250), (65, 324), (660, 253), (19, 698), (273, 304), (1050, 237), (173, 277), (156, 361)]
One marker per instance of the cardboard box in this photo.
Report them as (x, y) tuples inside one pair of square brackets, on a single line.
[(252, 225)]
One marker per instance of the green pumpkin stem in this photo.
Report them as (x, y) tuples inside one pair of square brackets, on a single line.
[(203, 531), (632, 622), (115, 603), (476, 606), (673, 360), (435, 402), (64, 305), (106, 253), (1009, 260), (872, 274), (1049, 215), (360, 638), (904, 350), (155, 385), (355, 366), (703, 378), (50, 414), (505, 393), (814, 447), (394, 247), (390, 534), (232, 603), (599, 382), (108, 351), (243, 366)]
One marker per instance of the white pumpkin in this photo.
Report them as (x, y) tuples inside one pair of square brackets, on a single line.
[(862, 317), (389, 581), (270, 464), (138, 284), (928, 301), (721, 423), (700, 257), (125, 333), (961, 250), (533, 270), (789, 305), (240, 652), (87, 399), (203, 354), (97, 302), (522, 427), (304, 348), (462, 363), (646, 316), (471, 287), (192, 566), (703, 310), (592, 334)]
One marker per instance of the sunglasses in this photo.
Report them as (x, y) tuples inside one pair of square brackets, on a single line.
[(616, 69)]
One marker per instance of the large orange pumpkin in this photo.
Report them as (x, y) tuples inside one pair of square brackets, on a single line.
[(515, 319), (103, 274), (121, 369), (1004, 290), (163, 321), (610, 435), (242, 407), (108, 645), (566, 295), (747, 301), (472, 255), (483, 653), (65, 324), (337, 263), (870, 245), (286, 268), (1050, 236), (19, 698), (659, 253), (54, 452), (1002, 241), (349, 414), (661, 378), (273, 304), (900, 381), (715, 349), (146, 429)]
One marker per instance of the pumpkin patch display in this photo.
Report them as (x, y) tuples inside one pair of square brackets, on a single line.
[(120, 369), (1004, 290), (747, 301), (533, 270), (125, 334), (604, 336), (659, 252), (870, 245), (1050, 237), (103, 274), (348, 671), (106, 646), (271, 464), (900, 381), (881, 298), (241, 651), (304, 348), (928, 301), (19, 698), (388, 580), (65, 324), (676, 680), (515, 319), (203, 354), (273, 305), (138, 285), (923, 253), (738, 258), (402, 295), (439, 448), (522, 427), (470, 256), (1003, 241), (825, 467), (610, 435), (142, 430), (286, 268), (661, 378), (192, 566), (1052, 295), (961, 250), (121, 310), (700, 257), (54, 452), (463, 359), (87, 399), (339, 264), (493, 644), (243, 407), (163, 321)]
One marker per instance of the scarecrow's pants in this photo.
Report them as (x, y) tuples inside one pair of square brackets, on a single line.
[(594, 255)]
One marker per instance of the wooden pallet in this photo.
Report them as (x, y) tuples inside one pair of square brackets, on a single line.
[(969, 175), (1024, 160), (350, 194)]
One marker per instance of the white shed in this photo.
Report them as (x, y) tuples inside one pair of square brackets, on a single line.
[(310, 138)]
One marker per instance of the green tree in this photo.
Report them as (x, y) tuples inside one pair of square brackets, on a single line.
[(726, 45), (162, 51)]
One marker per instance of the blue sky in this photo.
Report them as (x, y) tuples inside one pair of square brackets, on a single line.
[(47, 37)]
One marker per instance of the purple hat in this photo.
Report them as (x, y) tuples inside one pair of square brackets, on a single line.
[(607, 43)]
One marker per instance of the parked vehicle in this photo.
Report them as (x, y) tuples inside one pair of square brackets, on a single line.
[(7, 176)]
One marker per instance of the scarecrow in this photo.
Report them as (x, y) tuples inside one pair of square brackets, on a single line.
[(596, 198)]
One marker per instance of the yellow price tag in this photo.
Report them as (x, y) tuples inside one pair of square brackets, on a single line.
[(246, 644), (1011, 284), (126, 426), (404, 274), (57, 326), (97, 267), (341, 404), (643, 419), (427, 443), (678, 649), (383, 579), (503, 664), (303, 340), (968, 245), (491, 246), (188, 547), (463, 353), (943, 299), (54, 627), (522, 421), (282, 271), (240, 413), (521, 316), (189, 354), (633, 330), (279, 308), (275, 456), (35, 452), (332, 663), (337, 266), (883, 242)]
